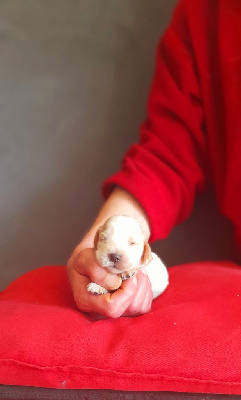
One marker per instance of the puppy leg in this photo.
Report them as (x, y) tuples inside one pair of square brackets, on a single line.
[(96, 289), (128, 274), (158, 275)]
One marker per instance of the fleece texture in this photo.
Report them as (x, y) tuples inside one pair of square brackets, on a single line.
[(192, 133)]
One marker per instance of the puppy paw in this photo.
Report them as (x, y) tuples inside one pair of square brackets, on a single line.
[(128, 274), (96, 289)]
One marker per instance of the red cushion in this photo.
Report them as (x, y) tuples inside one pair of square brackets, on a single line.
[(189, 342)]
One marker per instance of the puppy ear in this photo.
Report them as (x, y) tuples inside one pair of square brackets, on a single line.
[(96, 239), (146, 255)]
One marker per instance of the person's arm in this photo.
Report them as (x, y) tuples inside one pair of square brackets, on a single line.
[(168, 166), (163, 172)]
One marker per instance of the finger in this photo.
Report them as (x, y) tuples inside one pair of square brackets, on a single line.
[(113, 305), (135, 306), (143, 298), (147, 303), (79, 288), (146, 307), (86, 264)]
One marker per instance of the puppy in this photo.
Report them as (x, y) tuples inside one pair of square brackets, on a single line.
[(120, 247)]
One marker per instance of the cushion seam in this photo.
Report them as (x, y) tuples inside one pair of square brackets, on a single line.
[(141, 374)]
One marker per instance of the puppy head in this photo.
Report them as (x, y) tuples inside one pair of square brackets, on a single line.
[(120, 245)]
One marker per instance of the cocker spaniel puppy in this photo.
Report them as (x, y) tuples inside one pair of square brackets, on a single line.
[(120, 247)]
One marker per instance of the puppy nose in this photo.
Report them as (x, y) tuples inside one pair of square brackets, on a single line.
[(115, 258)]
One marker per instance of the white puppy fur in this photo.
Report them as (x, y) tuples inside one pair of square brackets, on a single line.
[(121, 248)]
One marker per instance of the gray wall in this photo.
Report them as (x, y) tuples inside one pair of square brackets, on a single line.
[(74, 77)]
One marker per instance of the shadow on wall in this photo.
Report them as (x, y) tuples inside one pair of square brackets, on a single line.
[(74, 83)]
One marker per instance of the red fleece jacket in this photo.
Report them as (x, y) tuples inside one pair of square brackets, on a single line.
[(193, 128)]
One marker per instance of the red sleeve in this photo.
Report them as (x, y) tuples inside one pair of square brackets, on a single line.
[(166, 169)]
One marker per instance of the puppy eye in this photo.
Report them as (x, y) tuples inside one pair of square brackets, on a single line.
[(132, 243), (102, 238)]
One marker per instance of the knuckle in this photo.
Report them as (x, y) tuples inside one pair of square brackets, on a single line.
[(135, 307), (148, 305), (82, 262), (134, 311), (144, 311), (147, 309), (74, 261), (81, 258), (113, 312)]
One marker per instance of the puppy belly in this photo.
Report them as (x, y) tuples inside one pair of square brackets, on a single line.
[(158, 275)]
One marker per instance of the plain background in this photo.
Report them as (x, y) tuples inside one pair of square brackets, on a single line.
[(74, 80)]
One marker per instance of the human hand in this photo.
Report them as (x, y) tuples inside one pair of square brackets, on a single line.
[(130, 298)]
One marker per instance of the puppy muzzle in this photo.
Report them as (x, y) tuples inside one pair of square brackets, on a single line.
[(114, 257)]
